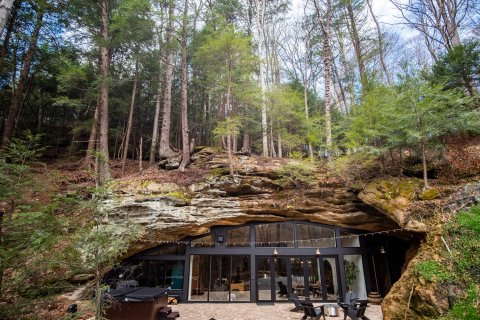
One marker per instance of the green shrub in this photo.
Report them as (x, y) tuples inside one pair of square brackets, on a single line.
[(298, 175)]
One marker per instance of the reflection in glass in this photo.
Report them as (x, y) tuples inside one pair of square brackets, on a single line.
[(238, 237), (240, 279), (165, 274), (199, 278), (264, 288), (219, 278), (297, 278), (354, 275), (312, 236), (350, 240), (206, 241), (314, 283), (281, 289), (331, 278), (274, 235)]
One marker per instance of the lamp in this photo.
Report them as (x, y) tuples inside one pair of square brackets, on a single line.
[(275, 252), (382, 250), (317, 252)]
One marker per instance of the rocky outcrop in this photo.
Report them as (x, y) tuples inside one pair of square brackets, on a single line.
[(393, 198), (171, 211)]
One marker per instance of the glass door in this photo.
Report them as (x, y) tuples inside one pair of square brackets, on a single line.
[(264, 279)]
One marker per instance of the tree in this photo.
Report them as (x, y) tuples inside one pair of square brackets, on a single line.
[(459, 67), (325, 20), (102, 167), (17, 99), (165, 150), (5, 9), (438, 21), (228, 128), (183, 99)]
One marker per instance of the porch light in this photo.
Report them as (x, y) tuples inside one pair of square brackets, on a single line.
[(317, 252), (382, 250), (275, 252)]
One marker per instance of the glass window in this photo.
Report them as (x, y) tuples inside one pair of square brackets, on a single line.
[(238, 237), (165, 274), (199, 278), (274, 235), (219, 278), (349, 239), (206, 241), (354, 275), (169, 250), (312, 236)]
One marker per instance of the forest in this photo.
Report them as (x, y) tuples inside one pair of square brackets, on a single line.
[(130, 79), (97, 90)]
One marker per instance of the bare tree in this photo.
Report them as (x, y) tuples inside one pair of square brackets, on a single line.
[(381, 48), (437, 20)]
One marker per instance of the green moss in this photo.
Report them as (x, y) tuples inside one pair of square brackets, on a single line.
[(429, 194), (180, 195), (432, 270), (395, 188), (218, 172), (465, 307)]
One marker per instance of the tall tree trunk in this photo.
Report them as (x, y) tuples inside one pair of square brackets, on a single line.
[(17, 98), (357, 45), (183, 98), (8, 34), (279, 143), (263, 83), (5, 8), (424, 164), (92, 140), (130, 118), (103, 163), (154, 145), (165, 150), (381, 49), (327, 61)]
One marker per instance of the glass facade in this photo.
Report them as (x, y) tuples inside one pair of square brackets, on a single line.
[(274, 235), (312, 236), (260, 262), (238, 237), (219, 278)]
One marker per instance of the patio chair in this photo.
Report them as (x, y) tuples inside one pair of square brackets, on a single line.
[(296, 301), (309, 311), (283, 289), (353, 308)]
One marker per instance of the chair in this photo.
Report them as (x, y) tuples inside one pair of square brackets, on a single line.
[(296, 301), (313, 312), (283, 289), (352, 307)]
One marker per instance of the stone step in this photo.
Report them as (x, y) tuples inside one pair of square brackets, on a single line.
[(165, 311), (173, 315)]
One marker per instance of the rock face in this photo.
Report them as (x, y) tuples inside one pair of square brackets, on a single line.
[(170, 211), (393, 198)]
